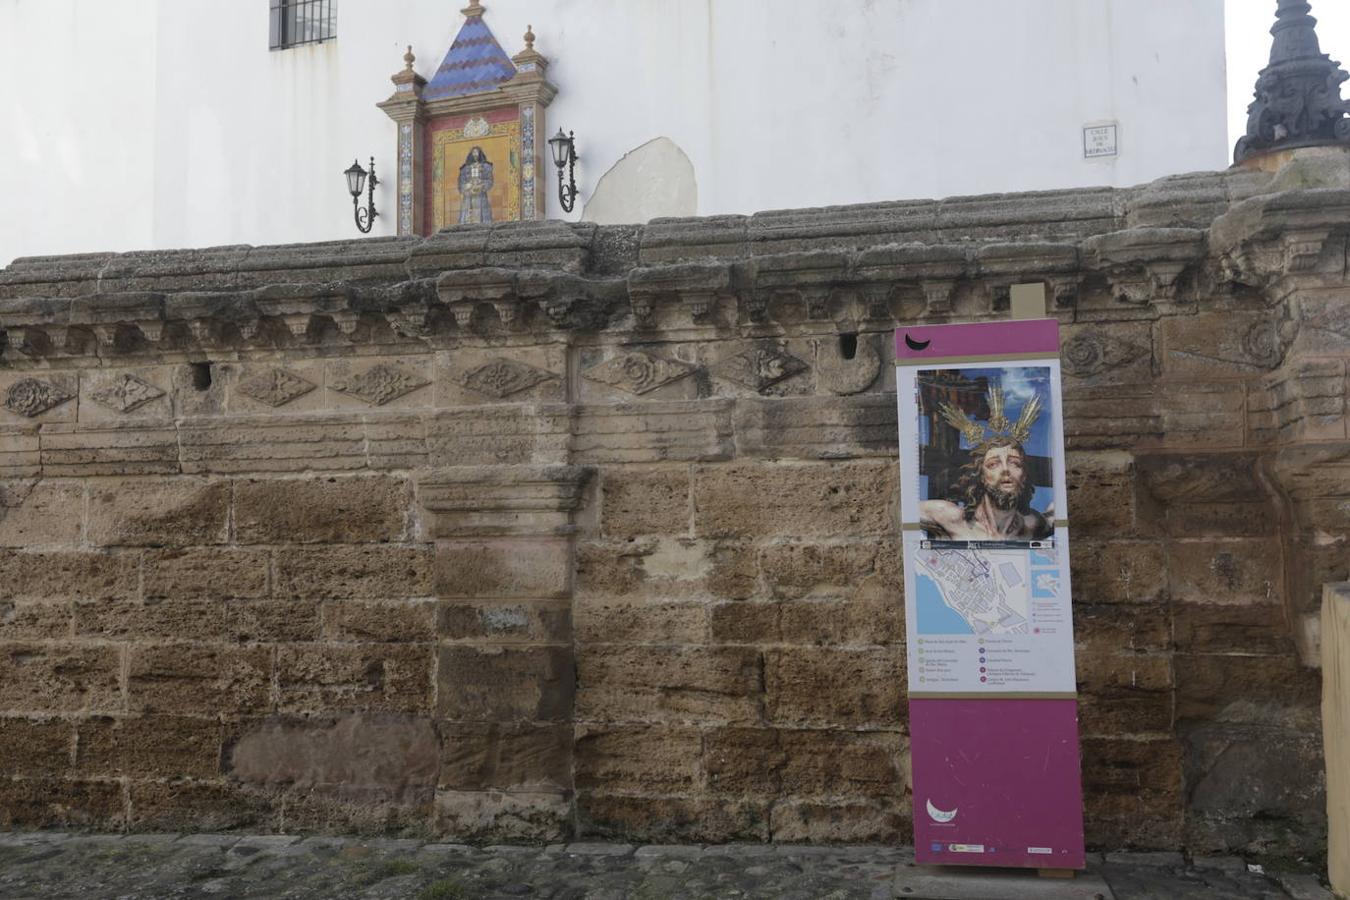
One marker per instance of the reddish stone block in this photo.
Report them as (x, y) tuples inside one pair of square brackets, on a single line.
[(506, 756)]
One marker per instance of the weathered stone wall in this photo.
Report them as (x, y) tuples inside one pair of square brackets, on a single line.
[(542, 529)]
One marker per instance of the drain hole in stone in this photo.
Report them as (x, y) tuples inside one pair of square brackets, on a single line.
[(201, 376), (848, 345)]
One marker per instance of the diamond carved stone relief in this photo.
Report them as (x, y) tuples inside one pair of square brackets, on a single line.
[(126, 393), (503, 377), (759, 367), (31, 397), (380, 384), (275, 387), (638, 373), (1094, 353)]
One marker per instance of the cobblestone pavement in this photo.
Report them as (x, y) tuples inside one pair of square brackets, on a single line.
[(54, 865)]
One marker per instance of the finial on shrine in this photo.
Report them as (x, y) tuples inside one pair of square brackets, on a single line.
[(1298, 95), (475, 8), (407, 83), (530, 63)]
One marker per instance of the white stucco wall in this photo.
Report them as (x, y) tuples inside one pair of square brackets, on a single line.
[(164, 123)]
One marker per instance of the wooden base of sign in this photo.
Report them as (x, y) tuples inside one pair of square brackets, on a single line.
[(914, 882), (1057, 873)]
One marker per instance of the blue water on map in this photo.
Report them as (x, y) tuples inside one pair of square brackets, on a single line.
[(935, 616)]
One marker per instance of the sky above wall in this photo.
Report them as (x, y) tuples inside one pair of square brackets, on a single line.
[(1248, 25)]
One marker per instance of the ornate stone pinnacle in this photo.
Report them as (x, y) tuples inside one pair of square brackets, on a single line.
[(1298, 95), (529, 37), (409, 59)]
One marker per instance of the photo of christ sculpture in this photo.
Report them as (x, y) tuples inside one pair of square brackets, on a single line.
[(986, 454)]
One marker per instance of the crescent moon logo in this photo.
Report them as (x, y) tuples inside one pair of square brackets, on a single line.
[(938, 815), (916, 345)]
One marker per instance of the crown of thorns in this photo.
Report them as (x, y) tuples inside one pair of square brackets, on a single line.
[(978, 436)]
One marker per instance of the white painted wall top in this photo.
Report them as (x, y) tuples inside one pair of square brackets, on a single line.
[(168, 123)]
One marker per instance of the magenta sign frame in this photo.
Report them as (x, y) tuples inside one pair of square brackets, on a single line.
[(996, 774)]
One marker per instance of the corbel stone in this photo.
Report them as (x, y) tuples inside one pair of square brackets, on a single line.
[(203, 330), (106, 335), (152, 329), (58, 337), (410, 320), (297, 305), (754, 306), (1303, 249), (249, 328), (507, 311), (1003, 265), (697, 284), (36, 342), (938, 297), (813, 275), (817, 301), (1144, 264), (877, 300), (1064, 290), (346, 321)]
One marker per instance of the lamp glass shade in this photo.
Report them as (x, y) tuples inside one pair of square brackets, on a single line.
[(560, 143), (356, 179)]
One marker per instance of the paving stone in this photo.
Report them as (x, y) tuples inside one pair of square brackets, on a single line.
[(673, 851), (153, 839), (46, 864), (1172, 860), (210, 840), (1229, 865), (1303, 887), (600, 849)]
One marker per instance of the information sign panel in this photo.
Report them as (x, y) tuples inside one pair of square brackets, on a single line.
[(989, 624)]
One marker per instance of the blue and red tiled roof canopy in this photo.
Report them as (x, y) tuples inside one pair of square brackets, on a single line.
[(476, 62)]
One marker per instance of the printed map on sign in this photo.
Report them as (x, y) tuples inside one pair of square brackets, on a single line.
[(971, 591)]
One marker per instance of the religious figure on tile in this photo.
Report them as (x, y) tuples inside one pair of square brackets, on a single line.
[(475, 181)]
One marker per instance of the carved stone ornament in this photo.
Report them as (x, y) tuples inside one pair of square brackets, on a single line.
[(275, 387), (126, 393), (504, 377), (1298, 95), (759, 367), (31, 397), (380, 384), (638, 373), (1095, 352)]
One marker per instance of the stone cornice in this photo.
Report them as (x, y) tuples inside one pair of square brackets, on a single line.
[(804, 272)]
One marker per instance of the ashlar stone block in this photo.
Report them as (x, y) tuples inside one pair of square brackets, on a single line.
[(165, 513)]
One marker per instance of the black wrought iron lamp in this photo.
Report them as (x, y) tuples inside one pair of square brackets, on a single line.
[(565, 157), (356, 182)]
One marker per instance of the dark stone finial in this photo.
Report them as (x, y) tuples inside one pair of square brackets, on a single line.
[(1298, 95)]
